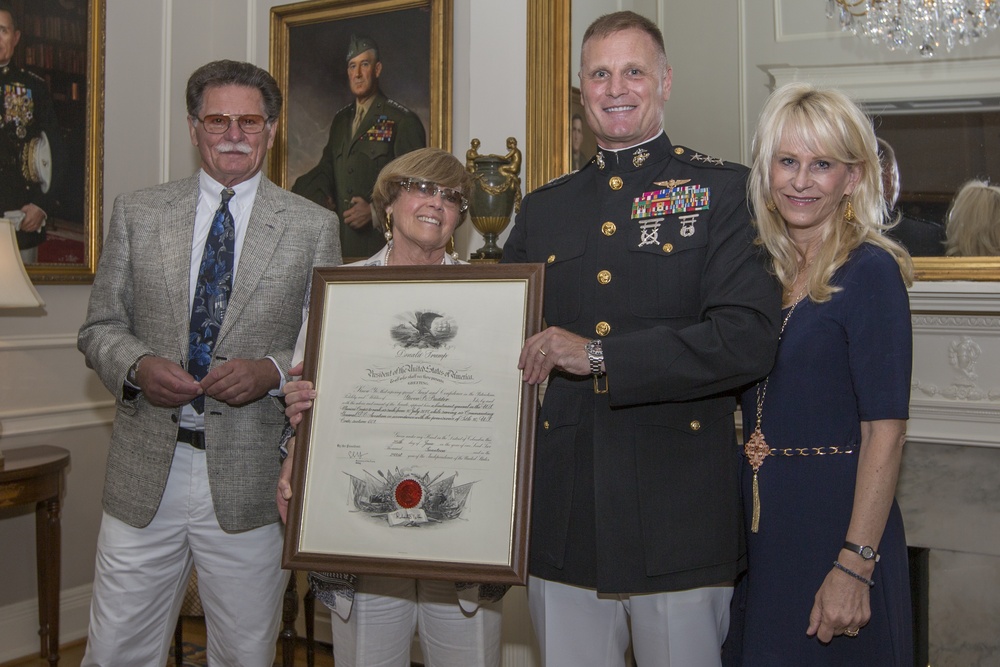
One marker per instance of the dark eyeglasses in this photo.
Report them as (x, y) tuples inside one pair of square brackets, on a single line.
[(428, 190), (218, 123)]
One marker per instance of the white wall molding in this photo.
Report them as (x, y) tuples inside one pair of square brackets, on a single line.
[(955, 297), (929, 408), (28, 343), (949, 433), (958, 324), (782, 35), (166, 63), (955, 390), (51, 419), (939, 79), (19, 623)]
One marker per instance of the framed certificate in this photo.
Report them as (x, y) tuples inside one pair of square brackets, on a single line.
[(416, 458)]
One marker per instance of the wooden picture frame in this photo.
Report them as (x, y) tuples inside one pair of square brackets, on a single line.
[(578, 124), (63, 43), (309, 42), (416, 458)]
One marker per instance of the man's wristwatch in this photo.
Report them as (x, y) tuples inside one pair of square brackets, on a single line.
[(865, 551), (595, 354), (131, 377)]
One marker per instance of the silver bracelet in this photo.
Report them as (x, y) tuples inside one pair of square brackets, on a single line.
[(854, 574)]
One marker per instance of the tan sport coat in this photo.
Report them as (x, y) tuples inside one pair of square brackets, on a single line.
[(140, 305)]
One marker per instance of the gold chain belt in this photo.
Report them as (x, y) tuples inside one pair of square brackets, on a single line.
[(812, 451)]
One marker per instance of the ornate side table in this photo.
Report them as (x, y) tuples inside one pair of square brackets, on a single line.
[(38, 475)]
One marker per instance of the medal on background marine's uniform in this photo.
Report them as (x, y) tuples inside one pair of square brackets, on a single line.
[(382, 130), (19, 107)]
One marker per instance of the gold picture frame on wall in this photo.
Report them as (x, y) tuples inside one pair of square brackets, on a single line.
[(548, 94), (308, 45), (61, 45)]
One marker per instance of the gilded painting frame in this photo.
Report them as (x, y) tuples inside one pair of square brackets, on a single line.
[(416, 458), (79, 220), (302, 132)]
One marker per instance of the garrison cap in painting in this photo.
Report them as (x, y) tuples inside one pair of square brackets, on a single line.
[(359, 44)]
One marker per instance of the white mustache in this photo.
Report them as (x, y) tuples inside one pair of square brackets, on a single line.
[(229, 147)]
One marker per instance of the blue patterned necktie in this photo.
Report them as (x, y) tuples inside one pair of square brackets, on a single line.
[(211, 294)]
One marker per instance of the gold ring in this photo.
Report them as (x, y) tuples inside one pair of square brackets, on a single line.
[(541, 352), (852, 633)]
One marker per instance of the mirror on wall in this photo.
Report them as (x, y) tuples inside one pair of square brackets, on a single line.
[(940, 145), (552, 67)]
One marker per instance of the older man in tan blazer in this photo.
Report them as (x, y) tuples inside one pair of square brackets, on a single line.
[(194, 459)]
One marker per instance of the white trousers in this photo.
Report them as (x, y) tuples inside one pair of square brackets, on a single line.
[(577, 627), (386, 612), (141, 575)]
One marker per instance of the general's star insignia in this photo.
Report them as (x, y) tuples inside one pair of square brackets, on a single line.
[(708, 159)]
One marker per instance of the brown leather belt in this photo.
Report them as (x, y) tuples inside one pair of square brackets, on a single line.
[(194, 438)]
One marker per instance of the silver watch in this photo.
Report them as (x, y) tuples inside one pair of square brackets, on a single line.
[(131, 377), (595, 354)]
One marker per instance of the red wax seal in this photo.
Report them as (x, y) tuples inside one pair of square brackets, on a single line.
[(409, 493)]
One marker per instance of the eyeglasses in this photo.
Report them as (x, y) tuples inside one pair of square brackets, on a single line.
[(218, 123), (428, 190)]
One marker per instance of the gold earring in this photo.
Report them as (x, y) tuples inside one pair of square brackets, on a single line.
[(449, 247), (770, 205), (849, 211), (388, 226)]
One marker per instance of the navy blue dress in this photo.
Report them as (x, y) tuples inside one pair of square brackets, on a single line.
[(839, 363)]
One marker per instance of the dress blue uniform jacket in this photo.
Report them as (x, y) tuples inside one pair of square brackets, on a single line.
[(26, 112), (651, 250)]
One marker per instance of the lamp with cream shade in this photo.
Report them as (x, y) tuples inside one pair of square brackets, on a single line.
[(16, 290)]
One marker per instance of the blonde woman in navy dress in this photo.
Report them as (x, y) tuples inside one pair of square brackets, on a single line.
[(827, 580)]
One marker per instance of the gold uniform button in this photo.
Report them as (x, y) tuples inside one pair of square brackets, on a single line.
[(551, 259), (615, 183), (695, 425), (602, 328), (545, 424), (608, 228), (668, 247), (679, 151), (604, 277)]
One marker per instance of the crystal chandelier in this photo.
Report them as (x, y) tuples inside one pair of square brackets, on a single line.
[(924, 25)]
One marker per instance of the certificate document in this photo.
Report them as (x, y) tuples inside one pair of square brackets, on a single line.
[(415, 457)]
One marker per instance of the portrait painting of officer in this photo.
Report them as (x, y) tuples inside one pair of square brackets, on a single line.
[(32, 156), (364, 136)]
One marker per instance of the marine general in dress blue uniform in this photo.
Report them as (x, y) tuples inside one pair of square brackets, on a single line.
[(659, 307), (27, 123)]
